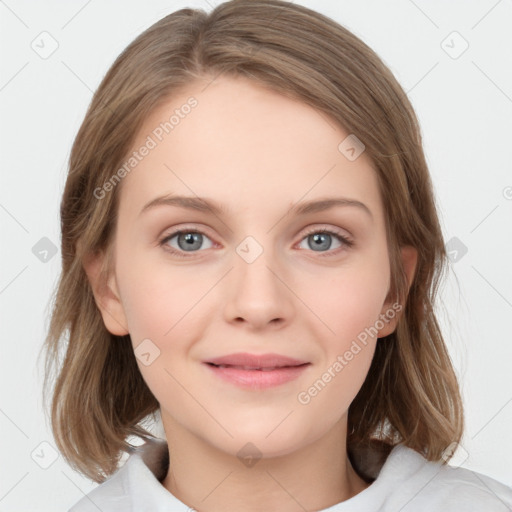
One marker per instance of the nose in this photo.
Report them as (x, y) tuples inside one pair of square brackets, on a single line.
[(257, 293)]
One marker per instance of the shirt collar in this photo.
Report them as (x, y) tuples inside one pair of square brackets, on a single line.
[(147, 466)]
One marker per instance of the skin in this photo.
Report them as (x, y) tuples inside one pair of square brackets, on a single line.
[(257, 153)]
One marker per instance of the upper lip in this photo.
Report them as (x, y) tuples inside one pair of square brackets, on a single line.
[(256, 360)]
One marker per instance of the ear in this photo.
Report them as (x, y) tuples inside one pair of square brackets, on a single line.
[(106, 295), (390, 313)]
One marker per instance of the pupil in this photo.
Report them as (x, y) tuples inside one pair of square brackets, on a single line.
[(321, 241), (192, 241)]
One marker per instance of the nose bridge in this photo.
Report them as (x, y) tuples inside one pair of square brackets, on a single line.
[(253, 263), (257, 293)]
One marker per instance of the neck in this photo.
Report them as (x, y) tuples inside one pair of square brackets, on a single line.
[(314, 477)]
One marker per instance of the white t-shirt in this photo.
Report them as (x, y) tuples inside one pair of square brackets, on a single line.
[(406, 482)]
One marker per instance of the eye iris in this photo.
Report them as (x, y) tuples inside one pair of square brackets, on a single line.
[(190, 240), (321, 241)]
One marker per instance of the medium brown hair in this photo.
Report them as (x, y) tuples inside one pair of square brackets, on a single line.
[(99, 397)]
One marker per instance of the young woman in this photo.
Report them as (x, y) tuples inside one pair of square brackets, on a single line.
[(251, 252)]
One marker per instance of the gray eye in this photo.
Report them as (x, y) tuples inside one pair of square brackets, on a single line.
[(320, 242), (189, 241)]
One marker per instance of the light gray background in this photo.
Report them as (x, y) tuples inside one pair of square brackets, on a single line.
[(465, 109)]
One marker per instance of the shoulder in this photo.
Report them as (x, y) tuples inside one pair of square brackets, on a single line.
[(136, 481), (463, 489), (426, 485), (109, 495)]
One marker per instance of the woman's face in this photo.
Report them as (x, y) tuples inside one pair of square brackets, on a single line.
[(251, 273)]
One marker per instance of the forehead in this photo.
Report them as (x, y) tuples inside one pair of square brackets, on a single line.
[(247, 147)]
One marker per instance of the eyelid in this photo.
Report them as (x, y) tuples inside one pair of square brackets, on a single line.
[(166, 237), (343, 233), (345, 239)]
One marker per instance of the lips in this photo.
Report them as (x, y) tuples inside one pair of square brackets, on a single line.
[(263, 362), (256, 372), (238, 367)]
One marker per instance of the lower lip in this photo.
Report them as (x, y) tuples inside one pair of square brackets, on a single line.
[(258, 379)]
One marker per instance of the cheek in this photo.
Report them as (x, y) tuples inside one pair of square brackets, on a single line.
[(348, 308), (347, 302), (159, 307), (158, 300)]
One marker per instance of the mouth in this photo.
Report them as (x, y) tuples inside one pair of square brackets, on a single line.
[(250, 378), (256, 368), (248, 361)]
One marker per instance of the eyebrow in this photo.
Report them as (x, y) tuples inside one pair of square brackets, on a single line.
[(209, 206)]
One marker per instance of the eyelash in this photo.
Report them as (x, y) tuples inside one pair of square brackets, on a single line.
[(182, 254)]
